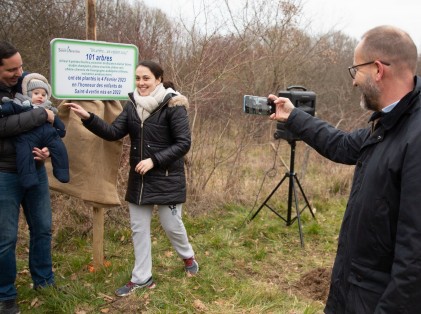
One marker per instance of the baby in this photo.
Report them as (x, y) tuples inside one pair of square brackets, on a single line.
[(36, 93)]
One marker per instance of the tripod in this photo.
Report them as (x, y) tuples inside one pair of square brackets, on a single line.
[(292, 193)]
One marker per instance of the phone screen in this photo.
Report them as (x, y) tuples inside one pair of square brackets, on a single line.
[(257, 105)]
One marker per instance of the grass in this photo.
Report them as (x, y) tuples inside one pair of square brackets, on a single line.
[(254, 267)]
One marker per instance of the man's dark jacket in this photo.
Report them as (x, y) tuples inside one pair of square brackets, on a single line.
[(165, 137), (14, 125), (378, 263)]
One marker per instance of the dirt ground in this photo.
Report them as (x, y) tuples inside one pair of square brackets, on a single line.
[(315, 284)]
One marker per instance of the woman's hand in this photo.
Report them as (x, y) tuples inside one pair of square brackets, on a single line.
[(41, 154), (144, 166), (78, 110)]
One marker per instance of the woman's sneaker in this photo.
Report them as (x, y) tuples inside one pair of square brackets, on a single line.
[(130, 287), (191, 266)]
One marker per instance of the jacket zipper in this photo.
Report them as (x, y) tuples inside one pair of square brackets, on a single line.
[(141, 156), (141, 142)]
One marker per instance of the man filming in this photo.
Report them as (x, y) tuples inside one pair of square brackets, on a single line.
[(378, 263)]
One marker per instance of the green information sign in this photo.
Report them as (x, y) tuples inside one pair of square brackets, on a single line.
[(92, 70)]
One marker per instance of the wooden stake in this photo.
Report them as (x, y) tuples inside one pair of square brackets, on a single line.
[(98, 215), (98, 238), (90, 20)]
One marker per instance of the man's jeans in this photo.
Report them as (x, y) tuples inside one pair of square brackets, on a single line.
[(37, 209)]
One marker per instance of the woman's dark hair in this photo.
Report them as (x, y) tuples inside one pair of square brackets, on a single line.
[(7, 50), (157, 71)]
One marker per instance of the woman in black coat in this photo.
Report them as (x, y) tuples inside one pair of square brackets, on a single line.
[(156, 120)]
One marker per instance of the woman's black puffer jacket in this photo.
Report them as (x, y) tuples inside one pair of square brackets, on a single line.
[(164, 137)]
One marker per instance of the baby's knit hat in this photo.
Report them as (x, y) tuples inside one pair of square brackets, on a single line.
[(33, 81)]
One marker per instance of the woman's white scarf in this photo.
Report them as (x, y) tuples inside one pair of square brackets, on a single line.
[(145, 105)]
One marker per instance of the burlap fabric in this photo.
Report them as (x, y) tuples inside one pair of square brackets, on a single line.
[(93, 161)]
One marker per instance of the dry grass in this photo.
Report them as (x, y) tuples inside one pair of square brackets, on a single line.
[(262, 166)]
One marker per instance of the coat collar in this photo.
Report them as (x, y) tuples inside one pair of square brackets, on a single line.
[(405, 106)]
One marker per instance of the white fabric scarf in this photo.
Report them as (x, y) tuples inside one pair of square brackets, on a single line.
[(145, 105)]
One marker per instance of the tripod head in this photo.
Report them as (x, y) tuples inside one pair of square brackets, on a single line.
[(301, 99)]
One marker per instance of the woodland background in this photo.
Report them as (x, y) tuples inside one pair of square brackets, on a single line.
[(258, 50)]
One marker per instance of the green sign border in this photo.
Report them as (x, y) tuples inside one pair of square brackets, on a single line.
[(91, 44)]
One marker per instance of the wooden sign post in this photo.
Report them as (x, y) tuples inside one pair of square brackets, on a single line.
[(98, 213)]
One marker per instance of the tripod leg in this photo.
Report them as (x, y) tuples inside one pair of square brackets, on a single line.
[(267, 198), (298, 214), (304, 196)]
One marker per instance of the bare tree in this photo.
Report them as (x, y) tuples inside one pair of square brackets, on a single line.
[(31, 25)]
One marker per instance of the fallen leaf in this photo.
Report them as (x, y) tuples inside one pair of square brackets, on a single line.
[(199, 305), (105, 297), (33, 302)]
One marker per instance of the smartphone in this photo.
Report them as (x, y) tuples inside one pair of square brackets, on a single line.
[(258, 105)]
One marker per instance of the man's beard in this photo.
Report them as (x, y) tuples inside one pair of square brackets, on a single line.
[(369, 95)]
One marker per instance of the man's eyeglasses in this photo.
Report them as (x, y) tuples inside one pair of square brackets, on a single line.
[(353, 69)]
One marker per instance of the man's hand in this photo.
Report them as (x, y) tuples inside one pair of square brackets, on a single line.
[(284, 107), (41, 154), (50, 116)]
